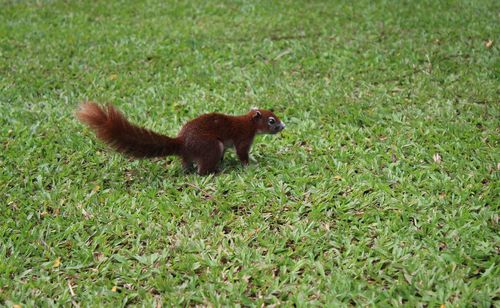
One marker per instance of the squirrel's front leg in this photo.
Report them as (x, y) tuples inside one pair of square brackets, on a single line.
[(242, 152)]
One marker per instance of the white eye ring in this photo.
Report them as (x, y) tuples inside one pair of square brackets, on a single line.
[(271, 120)]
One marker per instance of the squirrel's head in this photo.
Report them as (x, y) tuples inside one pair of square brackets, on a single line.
[(266, 121)]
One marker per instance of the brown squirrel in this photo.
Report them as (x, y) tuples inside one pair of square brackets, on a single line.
[(201, 140)]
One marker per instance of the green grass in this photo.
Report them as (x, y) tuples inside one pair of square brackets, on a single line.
[(347, 206)]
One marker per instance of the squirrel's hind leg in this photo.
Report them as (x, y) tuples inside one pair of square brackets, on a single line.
[(210, 158)]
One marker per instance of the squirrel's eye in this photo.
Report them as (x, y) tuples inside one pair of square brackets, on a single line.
[(272, 120)]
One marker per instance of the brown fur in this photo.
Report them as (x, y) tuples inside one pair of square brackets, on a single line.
[(201, 140)]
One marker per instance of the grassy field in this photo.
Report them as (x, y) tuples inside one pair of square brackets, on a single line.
[(383, 190)]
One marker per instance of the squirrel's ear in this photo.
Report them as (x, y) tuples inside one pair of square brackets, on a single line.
[(257, 114)]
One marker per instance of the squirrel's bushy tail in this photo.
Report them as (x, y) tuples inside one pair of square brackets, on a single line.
[(114, 129)]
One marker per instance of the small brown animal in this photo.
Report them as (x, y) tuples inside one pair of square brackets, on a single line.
[(201, 140)]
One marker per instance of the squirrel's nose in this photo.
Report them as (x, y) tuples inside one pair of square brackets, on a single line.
[(278, 128)]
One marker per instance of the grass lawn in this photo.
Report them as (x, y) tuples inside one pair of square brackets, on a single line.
[(383, 189)]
